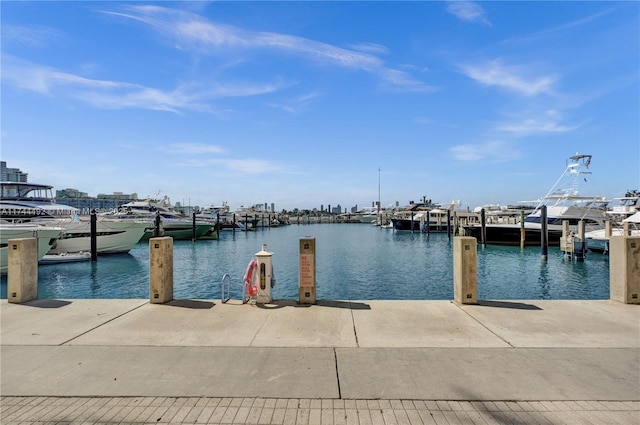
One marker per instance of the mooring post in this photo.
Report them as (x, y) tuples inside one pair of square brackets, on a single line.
[(624, 263), (465, 270), (544, 243), (583, 242), (449, 224), (483, 228), (94, 236), (193, 227), (156, 230), (22, 270), (160, 270), (522, 231), (428, 222), (411, 221)]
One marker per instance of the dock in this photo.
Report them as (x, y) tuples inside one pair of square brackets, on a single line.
[(336, 362)]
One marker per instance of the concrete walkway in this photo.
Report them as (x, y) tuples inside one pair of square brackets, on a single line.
[(342, 362)]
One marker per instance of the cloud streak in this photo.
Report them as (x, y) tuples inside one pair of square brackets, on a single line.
[(546, 123), (511, 78), (108, 94), (494, 151), (194, 33), (468, 11)]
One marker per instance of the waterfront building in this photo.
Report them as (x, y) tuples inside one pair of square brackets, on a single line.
[(12, 174), (85, 203)]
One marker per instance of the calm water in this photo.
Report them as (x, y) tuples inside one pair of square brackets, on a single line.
[(353, 261)]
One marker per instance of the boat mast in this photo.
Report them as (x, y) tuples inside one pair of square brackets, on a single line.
[(379, 218)]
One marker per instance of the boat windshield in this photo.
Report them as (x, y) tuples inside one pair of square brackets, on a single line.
[(26, 192)]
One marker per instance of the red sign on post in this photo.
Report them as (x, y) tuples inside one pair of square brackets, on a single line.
[(307, 270)]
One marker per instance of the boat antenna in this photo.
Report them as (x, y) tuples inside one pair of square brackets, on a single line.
[(378, 192)]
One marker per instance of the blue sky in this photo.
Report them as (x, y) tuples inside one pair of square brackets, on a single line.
[(302, 103)]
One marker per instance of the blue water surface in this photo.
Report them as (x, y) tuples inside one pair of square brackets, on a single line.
[(353, 262)]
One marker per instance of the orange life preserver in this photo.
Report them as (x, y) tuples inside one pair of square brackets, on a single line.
[(252, 289)]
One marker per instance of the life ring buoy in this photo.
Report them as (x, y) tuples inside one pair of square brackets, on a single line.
[(252, 289)]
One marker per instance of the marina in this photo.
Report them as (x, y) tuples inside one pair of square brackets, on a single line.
[(354, 261)]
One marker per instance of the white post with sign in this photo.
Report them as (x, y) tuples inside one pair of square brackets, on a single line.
[(307, 271)]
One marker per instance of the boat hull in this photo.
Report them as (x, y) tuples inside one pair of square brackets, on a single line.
[(405, 225), (46, 236), (180, 231), (511, 234), (598, 241), (112, 237)]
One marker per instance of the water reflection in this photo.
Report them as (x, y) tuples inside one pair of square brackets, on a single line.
[(543, 280), (354, 262)]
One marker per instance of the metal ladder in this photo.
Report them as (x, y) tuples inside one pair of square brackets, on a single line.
[(226, 281), (225, 292)]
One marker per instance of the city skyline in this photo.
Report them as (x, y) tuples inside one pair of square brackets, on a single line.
[(303, 104)]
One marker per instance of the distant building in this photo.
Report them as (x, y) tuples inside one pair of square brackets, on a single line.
[(12, 174), (86, 203)]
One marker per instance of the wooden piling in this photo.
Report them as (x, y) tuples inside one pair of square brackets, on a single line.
[(156, 229), (583, 242), (193, 226), (544, 242), (522, 230), (94, 236), (483, 228), (411, 221)]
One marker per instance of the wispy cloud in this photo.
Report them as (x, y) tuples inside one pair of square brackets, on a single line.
[(244, 165), (108, 94), (372, 48), (32, 36), (192, 149), (494, 151), (468, 11), (512, 78), (194, 33), (548, 122), (295, 105), (560, 29)]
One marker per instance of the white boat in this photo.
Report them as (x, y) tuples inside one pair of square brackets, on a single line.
[(65, 257), (424, 217), (33, 203), (172, 223), (112, 236), (628, 205), (598, 240), (46, 236), (563, 202)]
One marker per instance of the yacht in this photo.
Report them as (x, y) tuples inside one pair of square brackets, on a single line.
[(628, 205), (598, 240), (46, 236), (172, 223), (562, 202), (34, 204), (424, 217)]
